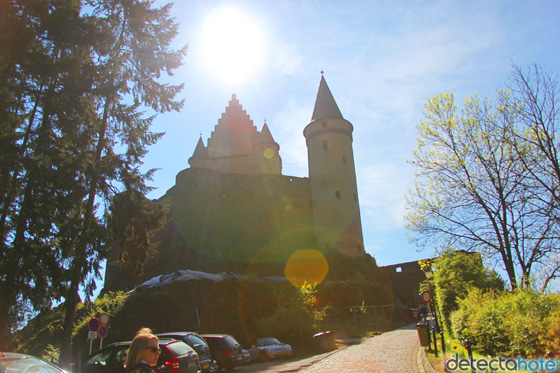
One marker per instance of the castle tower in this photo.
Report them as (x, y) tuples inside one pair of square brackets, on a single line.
[(332, 176), (235, 146)]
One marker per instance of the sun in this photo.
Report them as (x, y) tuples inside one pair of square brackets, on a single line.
[(232, 44)]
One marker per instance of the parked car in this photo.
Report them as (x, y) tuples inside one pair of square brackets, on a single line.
[(246, 356), (195, 341), (13, 362), (176, 356), (271, 348), (225, 350)]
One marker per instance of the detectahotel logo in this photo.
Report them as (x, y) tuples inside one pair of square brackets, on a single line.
[(457, 363)]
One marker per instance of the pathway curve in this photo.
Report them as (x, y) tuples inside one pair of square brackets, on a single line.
[(391, 352), (396, 351)]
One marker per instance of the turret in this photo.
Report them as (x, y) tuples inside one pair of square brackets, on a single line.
[(267, 153), (199, 156), (332, 176)]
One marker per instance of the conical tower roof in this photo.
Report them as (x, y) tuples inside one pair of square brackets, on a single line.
[(200, 150), (325, 105), (266, 136)]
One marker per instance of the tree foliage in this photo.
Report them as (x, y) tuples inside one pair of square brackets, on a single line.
[(537, 96), (455, 272), (132, 222), (477, 184), (521, 323), (294, 316), (76, 83)]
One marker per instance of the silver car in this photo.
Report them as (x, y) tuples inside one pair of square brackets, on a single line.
[(12, 362), (271, 348)]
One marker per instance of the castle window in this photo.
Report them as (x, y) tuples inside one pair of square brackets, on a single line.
[(398, 269), (325, 146), (344, 159), (337, 194)]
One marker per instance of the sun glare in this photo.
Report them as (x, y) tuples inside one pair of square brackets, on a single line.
[(232, 44)]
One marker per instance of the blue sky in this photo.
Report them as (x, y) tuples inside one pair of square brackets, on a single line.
[(382, 60)]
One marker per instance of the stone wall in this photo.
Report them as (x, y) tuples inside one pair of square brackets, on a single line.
[(405, 279), (227, 222)]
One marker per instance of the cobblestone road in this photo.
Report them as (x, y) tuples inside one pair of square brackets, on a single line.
[(392, 352), (397, 351)]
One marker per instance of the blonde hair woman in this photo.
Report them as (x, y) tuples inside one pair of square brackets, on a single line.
[(143, 352)]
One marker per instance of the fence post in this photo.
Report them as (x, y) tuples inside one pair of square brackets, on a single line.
[(469, 350), (435, 341)]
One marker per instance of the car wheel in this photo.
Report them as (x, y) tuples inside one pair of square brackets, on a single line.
[(214, 367), (219, 365)]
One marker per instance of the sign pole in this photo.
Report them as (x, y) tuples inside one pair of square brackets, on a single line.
[(93, 325), (103, 331)]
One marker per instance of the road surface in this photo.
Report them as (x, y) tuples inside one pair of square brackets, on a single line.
[(397, 351)]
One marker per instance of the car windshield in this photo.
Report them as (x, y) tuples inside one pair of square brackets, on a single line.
[(179, 348), (267, 341), (229, 341), (196, 340), (26, 364)]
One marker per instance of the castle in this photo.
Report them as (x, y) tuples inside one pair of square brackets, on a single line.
[(233, 205)]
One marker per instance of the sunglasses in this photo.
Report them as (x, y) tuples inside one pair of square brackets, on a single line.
[(153, 349)]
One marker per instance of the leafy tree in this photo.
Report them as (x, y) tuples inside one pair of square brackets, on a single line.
[(474, 192), (537, 99), (455, 273), (295, 317)]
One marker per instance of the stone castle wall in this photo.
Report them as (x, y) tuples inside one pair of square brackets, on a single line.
[(218, 218)]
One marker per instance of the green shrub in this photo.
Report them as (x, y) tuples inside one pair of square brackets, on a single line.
[(479, 321), (551, 339), (456, 272), (524, 323)]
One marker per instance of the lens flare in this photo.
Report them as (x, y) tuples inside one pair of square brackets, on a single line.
[(268, 153), (306, 267)]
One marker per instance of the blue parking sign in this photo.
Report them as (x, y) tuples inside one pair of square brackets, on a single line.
[(103, 331)]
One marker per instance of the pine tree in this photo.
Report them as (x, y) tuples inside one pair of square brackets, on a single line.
[(73, 85), (133, 221), (132, 54), (35, 71)]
